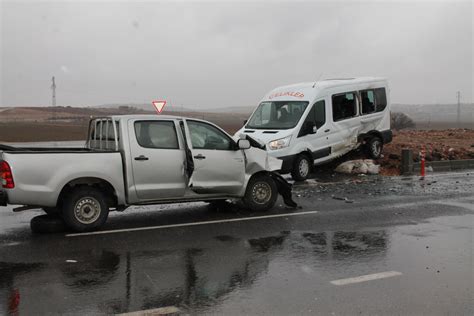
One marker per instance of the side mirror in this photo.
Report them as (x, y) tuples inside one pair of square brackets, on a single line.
[(243, 144), (310, 128), (245, 122)]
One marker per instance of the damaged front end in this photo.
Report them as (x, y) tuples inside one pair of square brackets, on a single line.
[(258, 160)]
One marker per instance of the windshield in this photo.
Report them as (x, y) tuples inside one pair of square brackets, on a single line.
[(277, 114)]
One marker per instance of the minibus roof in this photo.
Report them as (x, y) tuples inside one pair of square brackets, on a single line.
[(307, 91)]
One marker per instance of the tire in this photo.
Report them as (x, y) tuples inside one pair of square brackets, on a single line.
[(374, 148), (47, 224), (261, 193), (301, 168), (52, 211), (85, 209)]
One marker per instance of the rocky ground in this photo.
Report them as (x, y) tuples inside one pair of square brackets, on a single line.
[(450, 144)]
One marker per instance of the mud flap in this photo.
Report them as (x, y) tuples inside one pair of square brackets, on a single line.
[(284, 189)]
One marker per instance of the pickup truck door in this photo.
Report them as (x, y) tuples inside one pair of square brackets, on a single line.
[(157, 159), (218, 166)]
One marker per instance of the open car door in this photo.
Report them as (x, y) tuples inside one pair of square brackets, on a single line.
[(219, 166)]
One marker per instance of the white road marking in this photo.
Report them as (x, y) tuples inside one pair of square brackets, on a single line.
[(468, 206), (368, 277), (113, 231), (153, 312)]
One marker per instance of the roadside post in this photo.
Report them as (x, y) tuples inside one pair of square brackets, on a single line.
[(422, 165), (407, 161)]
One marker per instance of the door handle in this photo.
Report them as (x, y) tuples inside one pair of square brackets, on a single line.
[(200, 157), (327, 130), (141, 158)]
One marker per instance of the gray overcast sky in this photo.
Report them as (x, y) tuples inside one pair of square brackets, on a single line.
[(218, 54)]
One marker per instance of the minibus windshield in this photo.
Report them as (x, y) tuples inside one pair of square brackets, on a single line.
[(277, 114)]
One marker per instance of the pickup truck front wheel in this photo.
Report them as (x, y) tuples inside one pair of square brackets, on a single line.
[(85, 209), (261, 193)]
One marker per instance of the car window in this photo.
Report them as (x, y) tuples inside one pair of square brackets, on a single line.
[(320, 113), (380, 99), (368, 101), (317, 115), (156, 134), (277, 114), (205, 136), (344, 106)]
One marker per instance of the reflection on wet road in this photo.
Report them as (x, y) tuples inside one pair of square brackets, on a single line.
[(419, 251)]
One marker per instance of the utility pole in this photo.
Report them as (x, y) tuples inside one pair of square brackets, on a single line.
[(459, 108), (53, 100)]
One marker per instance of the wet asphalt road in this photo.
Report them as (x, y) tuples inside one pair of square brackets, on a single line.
[(415, 236)]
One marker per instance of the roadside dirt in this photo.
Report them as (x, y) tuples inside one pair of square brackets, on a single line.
[(450, 144)]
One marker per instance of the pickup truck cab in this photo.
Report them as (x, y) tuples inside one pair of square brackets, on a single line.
[(138, 160), (307, 124)]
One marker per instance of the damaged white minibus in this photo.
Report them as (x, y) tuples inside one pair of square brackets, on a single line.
[(307, 124)]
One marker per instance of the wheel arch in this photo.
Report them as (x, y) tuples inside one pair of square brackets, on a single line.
[(370, 134), (103, 185)]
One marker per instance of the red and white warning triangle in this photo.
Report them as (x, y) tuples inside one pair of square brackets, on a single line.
[(159, 105)]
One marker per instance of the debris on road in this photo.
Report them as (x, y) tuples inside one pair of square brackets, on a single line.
[(360, 166)]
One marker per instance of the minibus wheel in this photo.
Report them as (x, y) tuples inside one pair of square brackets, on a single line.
[(301, 168), (374, 147)]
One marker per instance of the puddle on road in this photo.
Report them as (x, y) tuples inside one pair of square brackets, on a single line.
[(228, 274)]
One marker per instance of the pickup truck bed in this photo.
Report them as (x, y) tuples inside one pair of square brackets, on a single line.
[(42, 173)]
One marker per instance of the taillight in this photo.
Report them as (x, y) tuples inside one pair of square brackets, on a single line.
[(6, 176)]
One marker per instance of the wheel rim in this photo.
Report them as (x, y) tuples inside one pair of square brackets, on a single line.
[(87, 210), (376, 148), (261, 192), (303, 168)]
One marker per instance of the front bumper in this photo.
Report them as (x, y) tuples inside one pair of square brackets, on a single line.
[(287, 164), (3, 198)]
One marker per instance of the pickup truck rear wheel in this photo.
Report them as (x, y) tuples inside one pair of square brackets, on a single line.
[(261, 193), (85, 209)]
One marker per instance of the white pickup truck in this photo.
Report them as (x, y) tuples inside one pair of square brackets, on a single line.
[(139, 160)]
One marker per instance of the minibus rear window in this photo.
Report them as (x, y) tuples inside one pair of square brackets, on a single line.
[(277, 115), (380, 99)]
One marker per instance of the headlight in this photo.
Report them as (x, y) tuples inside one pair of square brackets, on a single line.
[(280, 143)]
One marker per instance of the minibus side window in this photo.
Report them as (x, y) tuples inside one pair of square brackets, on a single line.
[(344, 106), (380, 99), (368, 101)]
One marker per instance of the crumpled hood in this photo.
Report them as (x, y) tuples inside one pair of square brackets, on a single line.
[(259, 160)]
